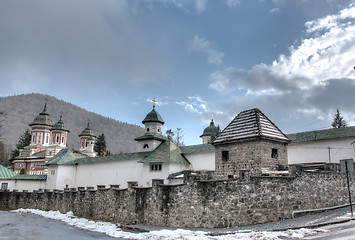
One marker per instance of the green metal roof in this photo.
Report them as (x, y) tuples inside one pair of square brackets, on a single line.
[(322, 134), (111, 158), (166, 152), (151, 136), (30, 177), (6, 173), (66, 157), (197, 148), (153, 116)]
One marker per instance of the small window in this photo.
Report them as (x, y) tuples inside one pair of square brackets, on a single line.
[(155, 167), (47, 139), (4, 186), (52, 172), (57, 139), (225, 156), (62, 139), (146, 146), (158, 129), (147, 129), (274, 153)]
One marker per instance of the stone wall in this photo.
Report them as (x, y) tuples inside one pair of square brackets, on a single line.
[(249, 157), (196, 203)]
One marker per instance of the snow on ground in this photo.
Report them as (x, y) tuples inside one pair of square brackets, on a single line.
[(113, 231)]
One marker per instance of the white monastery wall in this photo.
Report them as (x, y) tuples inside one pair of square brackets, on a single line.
[(317, 151), (202, 161)]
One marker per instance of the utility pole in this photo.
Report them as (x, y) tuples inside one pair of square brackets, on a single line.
[(329, 154)]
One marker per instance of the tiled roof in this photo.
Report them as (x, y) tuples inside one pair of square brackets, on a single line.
[(166, 152), (197, 148), (30, 177), (6, 173), (151, 136), (43, 118), (250, 124), (322, 134), (60, 126), (153, 116), (65, 157), (87, 131), (111, 158)]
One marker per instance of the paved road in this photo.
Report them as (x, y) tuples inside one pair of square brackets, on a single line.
[(342, 231), (26, 226)]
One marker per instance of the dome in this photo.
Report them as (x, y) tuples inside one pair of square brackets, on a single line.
[(210, 130), (87, 131), (153, 116), (43, 118), (59, 126)]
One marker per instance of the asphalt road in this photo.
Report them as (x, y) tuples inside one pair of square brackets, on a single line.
[(26, 226), (341, 231)]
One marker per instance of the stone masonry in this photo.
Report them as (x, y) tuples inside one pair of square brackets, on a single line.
[(206, 204), (249, 157)]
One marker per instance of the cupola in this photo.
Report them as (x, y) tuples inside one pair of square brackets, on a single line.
[(209, 131), (153, 122), (84, 136), (59, 133), (40, 128)]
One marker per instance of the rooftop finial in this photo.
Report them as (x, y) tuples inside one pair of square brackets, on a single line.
[(60, 118), (154, 101), (88, 124)]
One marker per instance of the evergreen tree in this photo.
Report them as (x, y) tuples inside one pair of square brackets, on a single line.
[(100, 145), (24, 140), (338, 121)]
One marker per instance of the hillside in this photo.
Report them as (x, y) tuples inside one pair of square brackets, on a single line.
[(20, 111)]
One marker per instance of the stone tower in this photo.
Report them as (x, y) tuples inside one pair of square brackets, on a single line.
[(250, 145), (85, 143)]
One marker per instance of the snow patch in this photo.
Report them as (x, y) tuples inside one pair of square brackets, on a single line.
[(113, 231)]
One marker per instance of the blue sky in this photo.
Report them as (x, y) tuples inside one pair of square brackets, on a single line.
[(292, 59)]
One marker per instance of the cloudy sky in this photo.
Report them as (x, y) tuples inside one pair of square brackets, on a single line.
[(292, 59)]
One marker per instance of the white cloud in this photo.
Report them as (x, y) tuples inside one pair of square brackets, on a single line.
[(200, 5), (274, 10), (312, 81), (194, 104), (199, 44), (232, 3)]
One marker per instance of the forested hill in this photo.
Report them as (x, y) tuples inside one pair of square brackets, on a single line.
[(20, 111)]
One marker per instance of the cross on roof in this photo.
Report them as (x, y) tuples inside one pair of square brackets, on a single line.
[(154, 101)]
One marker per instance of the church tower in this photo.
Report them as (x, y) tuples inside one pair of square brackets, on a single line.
[(87, 138), (209, 131), (40, 126), (153, 136), (59, 133)]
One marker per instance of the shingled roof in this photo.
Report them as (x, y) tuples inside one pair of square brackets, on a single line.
[(322, 134), (250, 124)]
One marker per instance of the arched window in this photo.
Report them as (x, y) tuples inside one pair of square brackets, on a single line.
[(147, 129), (146, 146), (158, 129)]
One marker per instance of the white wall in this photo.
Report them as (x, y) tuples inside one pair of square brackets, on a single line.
[(317, 151), (21, 185), (106, 173), (10, 183), (202, 161), (167, 169)]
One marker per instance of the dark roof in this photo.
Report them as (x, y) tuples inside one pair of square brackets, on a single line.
[(43, 118), (322, 134), (250, 124), (111, 158), (150, 137), (30, 177), (60, 126), (153, 116), (6, 173), (65, 157), (87, 132), (197, 148), (210, 130), (167, 151)]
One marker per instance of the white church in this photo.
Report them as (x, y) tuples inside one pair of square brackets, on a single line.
[(157, 157)]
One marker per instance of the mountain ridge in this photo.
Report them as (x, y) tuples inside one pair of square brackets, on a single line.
[(20, 110)]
